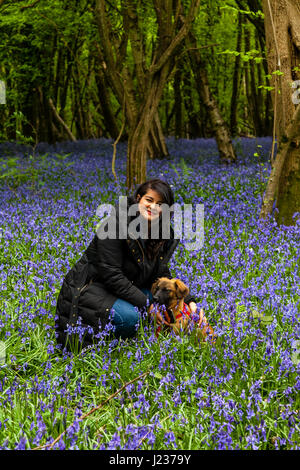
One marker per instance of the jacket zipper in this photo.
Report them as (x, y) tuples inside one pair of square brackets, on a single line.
[(141, 249), (139, 246)]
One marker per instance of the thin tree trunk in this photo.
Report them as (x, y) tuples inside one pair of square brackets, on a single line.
[(178, 104), (195, 125), (221, 132), (47, 131), (236, 81), (157, 146), (65, 84), (250, 97), (110, 120), (79, 112), (61, 121)]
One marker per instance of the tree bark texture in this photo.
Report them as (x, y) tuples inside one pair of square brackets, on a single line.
[(284, 168), (282, 25), (221, 131)]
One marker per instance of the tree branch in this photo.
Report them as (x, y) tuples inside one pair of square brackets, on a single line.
[(61, 121), (136, 41), (177, 39), (51, 444), (28, 6), (104, 33)]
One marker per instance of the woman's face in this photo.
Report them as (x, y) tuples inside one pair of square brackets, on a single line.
[(150, 205)]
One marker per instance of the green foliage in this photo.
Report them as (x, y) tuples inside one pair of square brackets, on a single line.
[(13, 176), (246, 57), (54, 48), (31, 40), (35, 174), (253, 14), (17, 121), (183, 172)]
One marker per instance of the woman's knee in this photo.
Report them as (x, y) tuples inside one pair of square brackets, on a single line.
[(125, 318)]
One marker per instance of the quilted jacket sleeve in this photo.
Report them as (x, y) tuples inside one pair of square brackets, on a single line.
[(109, 257)]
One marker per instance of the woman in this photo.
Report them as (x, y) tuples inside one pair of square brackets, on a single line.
[(115, 275)]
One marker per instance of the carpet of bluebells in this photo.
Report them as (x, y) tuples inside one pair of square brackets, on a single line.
[(149, 392)]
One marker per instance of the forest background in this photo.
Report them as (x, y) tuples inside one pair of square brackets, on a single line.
[(142, 70), (52, 62)]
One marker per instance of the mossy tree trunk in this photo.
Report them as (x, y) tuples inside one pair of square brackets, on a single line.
[(282, 26)]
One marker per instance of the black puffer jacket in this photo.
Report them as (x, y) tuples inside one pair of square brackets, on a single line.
[(108, 270)]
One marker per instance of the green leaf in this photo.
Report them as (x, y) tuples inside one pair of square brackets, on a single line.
[(267, 319), (256, 314), (158, 376)]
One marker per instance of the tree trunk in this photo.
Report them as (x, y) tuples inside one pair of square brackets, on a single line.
[(79, 116), (288, 202), (222, 136), (46, 129), (65, 85), (157, 146), (282, 25), (111, 124), (221, 132), (285, 175), (285, 16), (236, 79), (138, 142), (141, 91), (251, 89), (61, 122), (196, 122), (178, 104)]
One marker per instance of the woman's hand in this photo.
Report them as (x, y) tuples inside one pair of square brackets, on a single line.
[(193, 309)]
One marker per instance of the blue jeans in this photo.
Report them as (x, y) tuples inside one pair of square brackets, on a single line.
[(126, 317)]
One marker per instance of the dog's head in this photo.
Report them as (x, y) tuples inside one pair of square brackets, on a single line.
[(168, 291)]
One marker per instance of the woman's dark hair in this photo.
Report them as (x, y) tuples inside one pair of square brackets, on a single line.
[(160, 186), (164, 190)]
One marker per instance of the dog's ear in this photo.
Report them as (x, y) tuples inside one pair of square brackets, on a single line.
[(181, 289), (154, 286)]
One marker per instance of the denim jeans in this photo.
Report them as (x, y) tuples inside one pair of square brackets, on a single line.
[(126, 317)]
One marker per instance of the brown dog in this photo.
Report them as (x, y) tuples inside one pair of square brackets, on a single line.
[(176, 314)]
